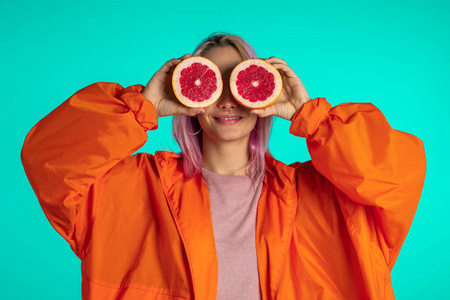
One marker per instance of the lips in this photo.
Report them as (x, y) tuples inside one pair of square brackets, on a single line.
[(228, 119)]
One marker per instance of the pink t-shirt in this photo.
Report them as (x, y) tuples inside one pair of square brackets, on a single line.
[(233, 209)]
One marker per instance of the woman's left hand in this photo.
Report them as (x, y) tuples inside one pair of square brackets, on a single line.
[(292, 97)]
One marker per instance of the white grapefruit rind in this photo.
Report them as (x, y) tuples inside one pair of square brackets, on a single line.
[(177, 86), (260, 63)]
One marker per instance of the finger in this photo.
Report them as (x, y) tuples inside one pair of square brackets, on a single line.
[(168, 66), (286, 70), (274, 59), (184, 56), (282, 66)]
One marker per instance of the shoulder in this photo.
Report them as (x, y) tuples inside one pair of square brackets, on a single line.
[(293, 172), (162, 162), (275, 167), (308, 182)]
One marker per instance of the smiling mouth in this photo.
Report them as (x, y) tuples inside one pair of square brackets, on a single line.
[(229, 118)]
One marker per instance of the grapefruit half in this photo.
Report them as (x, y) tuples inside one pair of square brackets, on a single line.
[(255, 83), (197, 82)]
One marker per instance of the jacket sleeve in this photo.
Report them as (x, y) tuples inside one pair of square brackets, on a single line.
[(378, 172), (76, 144)]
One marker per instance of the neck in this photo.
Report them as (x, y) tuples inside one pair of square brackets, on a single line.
[(228, 158)]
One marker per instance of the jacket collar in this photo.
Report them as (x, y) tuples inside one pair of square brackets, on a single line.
[(188, 201)]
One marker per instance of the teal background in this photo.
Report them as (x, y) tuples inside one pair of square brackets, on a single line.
[(394, 54)]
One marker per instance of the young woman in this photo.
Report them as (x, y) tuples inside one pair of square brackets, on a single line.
[(224, 219)]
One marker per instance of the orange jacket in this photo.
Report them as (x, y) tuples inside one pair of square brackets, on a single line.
[(330, 228)]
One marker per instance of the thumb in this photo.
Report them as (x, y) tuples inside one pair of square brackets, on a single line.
[(265, 112), (195, 111), (188, 111)]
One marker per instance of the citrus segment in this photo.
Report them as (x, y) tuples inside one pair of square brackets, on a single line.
[(197, 82)]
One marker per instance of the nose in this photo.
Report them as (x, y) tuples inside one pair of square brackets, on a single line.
[(226, 100)]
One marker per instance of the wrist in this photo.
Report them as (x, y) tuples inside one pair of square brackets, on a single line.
[(145, 92), (299, 104), (148, 96)]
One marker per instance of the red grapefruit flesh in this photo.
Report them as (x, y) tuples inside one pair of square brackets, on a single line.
[(197, 82), (255, 83)]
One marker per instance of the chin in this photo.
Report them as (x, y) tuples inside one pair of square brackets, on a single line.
[(231, 136)]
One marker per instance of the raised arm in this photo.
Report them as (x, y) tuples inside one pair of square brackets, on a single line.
[(76, 144), (378, 171), (73, 147)]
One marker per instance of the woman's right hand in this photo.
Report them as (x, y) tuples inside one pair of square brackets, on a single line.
[(159, 91)]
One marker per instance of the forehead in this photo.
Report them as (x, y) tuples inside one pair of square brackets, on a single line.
[(226, 58)]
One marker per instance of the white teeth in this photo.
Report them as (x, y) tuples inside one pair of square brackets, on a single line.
[(229, 118)]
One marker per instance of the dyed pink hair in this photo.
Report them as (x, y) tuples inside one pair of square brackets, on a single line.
[(185, 127)]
